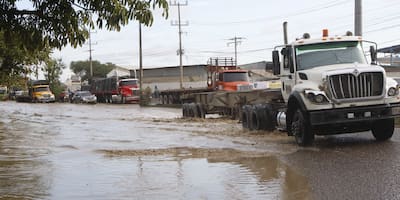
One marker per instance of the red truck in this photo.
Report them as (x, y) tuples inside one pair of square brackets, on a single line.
[(222, 75), (116, 89)]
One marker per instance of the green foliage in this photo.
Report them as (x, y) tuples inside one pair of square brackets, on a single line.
[(14, 57), (58, 23), (53, 70), (82, 69), (27, 36), (57, 88)]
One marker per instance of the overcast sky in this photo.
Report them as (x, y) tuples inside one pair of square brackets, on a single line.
[(213, 22)]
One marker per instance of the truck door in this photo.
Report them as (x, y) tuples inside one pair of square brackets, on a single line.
[(287, 72)]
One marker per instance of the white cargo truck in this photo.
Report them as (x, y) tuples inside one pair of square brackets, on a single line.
[(328, 87)]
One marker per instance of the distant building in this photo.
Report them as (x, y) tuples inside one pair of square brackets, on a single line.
[(195, 76), (73, 83), (121, 71), (165, 78)]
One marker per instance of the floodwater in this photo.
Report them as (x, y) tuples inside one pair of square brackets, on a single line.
[(72, 151)]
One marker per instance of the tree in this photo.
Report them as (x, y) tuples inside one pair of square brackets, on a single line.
[(17, 62), (82, 68), (57, 23), (14, 59), (52, 71)]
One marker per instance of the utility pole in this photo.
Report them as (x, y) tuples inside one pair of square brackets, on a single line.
[(358, 18), (90, 53), (180, 24), (140, 66), (236, 41)]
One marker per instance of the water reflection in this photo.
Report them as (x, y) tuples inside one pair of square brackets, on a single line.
[(184, 174), (276, 180), (24, 172)]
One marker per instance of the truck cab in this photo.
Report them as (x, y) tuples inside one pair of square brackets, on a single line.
[(224, 75), (128, 89), (233, 80), (329, 87), (42, 93)]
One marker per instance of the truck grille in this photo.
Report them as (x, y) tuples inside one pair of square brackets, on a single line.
[(350, 86)]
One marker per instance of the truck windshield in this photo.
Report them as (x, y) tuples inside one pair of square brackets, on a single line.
[(235, 76), (41, 89), (330, 53), (130, 82)]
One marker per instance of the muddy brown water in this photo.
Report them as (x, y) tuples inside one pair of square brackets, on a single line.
[(69, 151)]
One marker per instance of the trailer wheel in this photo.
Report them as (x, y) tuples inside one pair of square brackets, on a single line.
[(191, 110), (383, 129), (201, 110), (269, 118), (256, 119), (301, 129), (195, 110), (171, 99), (185, 110), (246, 117)]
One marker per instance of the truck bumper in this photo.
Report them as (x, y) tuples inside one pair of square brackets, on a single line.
[(353, 119), (132, 98)]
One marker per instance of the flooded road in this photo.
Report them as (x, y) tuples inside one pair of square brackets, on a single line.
[(70, 151)]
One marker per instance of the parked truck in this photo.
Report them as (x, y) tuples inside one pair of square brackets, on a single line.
[(38, 91), (228, 89), (222, 75), (116, 89), (328, 87)]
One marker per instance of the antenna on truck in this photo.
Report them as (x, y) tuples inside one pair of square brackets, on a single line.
[(285, 37)]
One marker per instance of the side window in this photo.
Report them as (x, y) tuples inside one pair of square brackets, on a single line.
[(287, 58)]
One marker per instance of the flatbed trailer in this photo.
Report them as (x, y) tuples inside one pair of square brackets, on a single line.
[(227, 103), (173, 96)]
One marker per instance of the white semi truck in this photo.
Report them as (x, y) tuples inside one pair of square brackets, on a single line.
[(328, 87)]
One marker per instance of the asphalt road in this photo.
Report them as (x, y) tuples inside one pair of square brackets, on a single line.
[(351, 166), (73, 151)]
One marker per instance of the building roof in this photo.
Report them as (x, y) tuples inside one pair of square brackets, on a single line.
[(393, 49)]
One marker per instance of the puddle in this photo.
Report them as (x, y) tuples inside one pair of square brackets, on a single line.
[(196, 173)]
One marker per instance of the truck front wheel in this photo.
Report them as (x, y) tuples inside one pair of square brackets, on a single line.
[(383, 129), (301, 129)]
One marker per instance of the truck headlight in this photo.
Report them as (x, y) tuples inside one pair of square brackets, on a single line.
[(393, 91), (316, 96), (319, 98)]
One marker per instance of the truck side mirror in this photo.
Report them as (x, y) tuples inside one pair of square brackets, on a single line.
[(373, 54), (290, 60), (276, 65)]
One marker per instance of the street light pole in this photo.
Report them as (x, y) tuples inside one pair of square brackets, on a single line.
[(140, 67)]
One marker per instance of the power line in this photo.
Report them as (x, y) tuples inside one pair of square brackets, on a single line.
[(263, 19), (90, 53), (180, 24), (236, 41)]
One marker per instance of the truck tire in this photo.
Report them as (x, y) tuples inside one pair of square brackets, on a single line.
[(383, 129), (257, 117), (262, 118), (123, 99), (301, 129), (194, 110), (185, 110), (246, 117), (201, 110)]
